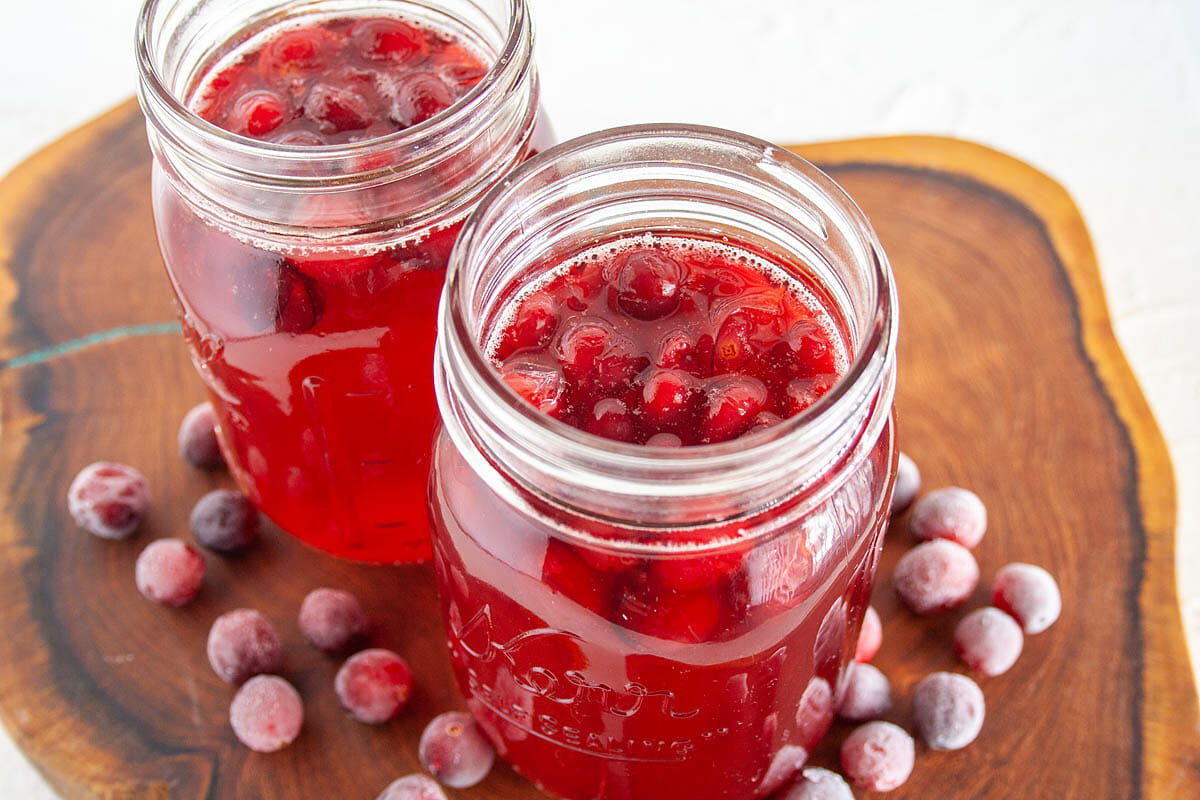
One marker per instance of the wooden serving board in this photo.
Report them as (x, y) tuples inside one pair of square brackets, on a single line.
[(1011, 383)]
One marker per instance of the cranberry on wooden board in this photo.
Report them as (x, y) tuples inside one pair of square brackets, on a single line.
[(198, 438), (878, 756), (108, 499), (266, 714), (951, 513), (374, 685), (169, 571), (868, 694), (241, 644), (936, 576), (225, 521), (455, 751), (332, 619), (413, 787), (908, 484), (1029, 593), (948, 709), (870, 636), (816, 783), (988, 641)]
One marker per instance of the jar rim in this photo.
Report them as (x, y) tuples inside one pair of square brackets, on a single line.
[(661, 469), (157, 98)]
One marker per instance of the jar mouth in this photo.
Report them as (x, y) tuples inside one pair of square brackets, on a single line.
[(177, 122), (627, 469)]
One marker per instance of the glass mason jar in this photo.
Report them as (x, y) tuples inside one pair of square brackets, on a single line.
[(307, 277), (544, 536)]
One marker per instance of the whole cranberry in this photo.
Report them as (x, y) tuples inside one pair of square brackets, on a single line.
[(108, 499)]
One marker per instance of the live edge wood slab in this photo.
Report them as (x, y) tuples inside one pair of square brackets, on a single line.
[(1011, 383)]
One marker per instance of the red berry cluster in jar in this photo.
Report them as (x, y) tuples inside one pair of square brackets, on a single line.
[(669, 341), (338, 80)]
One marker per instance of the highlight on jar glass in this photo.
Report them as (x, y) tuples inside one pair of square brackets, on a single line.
[(665, 367), (313, 164)]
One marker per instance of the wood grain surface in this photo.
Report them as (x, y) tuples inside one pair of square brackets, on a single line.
[(1011, 383)]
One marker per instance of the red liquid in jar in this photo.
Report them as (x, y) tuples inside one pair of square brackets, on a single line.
[(602, 672), (318, 359)]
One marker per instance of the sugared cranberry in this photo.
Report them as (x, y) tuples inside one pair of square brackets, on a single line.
[(336, 109), (455, 751), (1029, 593), (413, 787), (256, 113), (731, 406), (648, 285), (420, 96), (169, 571), (868, 694), (108, 499), (948, 709), (224, 520), (389, 40), (936, 576), (908, 483), (988, 641), (242, 644), (667, 398), (542, 388), (818, 784), (611, 419), (870, 636), (198, 438), (952, 513), (266, 714), (878, 756), (332, 620), (374, 685)]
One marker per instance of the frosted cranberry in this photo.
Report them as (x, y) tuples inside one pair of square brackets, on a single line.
[(1029, 593), (868, 694), (681, 616), (948, 710), (532, 328), (413, 787), (332, 620), (169, 571), (870, 636), (224, 520), (108, 499), (266, 714), (664, 439), (908, 483), (420, 96), (936, 576), (256, 113), (668, 397), (565, 571), (291, 54), (732, 348), (818, 784), (731, 405), (198, 437), (951, 513), (542, 388), (878, 756), (611, 419), (988, 641), (803, 392), (389, 40), (374, 685), (455, 751), (242, 644), (648, 285), (336, 109)]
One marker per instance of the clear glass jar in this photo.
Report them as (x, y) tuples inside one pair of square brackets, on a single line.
[(536, 525), (307, 277)]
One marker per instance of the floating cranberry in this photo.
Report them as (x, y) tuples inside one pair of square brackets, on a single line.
[(542, 388), (664, 439), (667, 398), (732, 348), (686, 573), (948, 710), (647, 607), (532, 327), (419, 97), (198, 438), (592, 352), (988, 641), (266, 714), (374, 685), (648, 285), (336, 109), (878, 756), (224, 520), (818, 784), (731, 406), (870, 636), (803, 392), (108, 499), (611, 419), (332, 620), (413, 787), (389, 40), (936, 576), (455, 751), (565, 571), (908, 483), (242, 644), (256, 113), (868, 694), (951, 513), (1029, 593), (764, 420), (807, 351), (169, 571), (291, 54), (675, 350)]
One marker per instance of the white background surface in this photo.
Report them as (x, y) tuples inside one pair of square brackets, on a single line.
[(1104, 96)]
